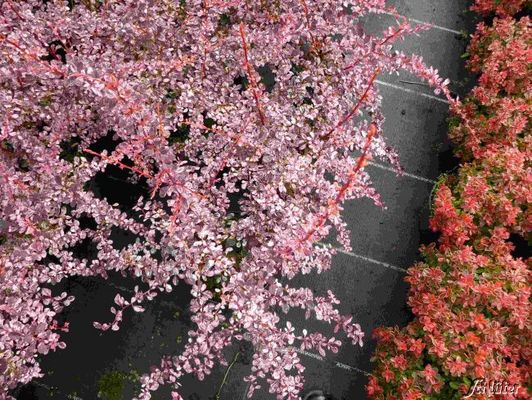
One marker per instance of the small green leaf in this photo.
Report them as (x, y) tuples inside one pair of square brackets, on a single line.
[(454, 385)]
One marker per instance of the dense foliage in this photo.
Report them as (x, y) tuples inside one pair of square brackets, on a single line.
[(502, 8), (471, 295), (237, 122), (498, 108)]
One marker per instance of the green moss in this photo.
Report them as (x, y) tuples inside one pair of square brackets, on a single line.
[(134, 376), (111, 385)]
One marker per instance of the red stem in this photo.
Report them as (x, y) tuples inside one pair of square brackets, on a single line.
[(120, 164), (341, 194), (355, 108), (307, 17), (250, 75)]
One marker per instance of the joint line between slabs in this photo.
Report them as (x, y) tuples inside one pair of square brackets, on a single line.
[(429, 96), (386, 265), (413, 176), (435, 26), (336, 363), (371, 260), (245, 396)]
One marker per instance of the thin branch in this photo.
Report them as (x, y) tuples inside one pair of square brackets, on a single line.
[(251, 76), (219, 391), (307, 22), (355, 108), (119, 164), (341, 193), (360, 163)]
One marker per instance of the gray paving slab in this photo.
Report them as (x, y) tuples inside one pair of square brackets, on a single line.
[(450, 14), (340, 383), (441, 49), (390, 235), (416, 127), (374, 295), (142, 340)]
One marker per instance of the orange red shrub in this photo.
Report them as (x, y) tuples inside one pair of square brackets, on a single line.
[(470, 295)]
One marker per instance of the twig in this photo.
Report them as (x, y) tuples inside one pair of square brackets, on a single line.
[(219, 391), (250, 75), (355, 108), (307, 22), (334, 203), (118, 163)]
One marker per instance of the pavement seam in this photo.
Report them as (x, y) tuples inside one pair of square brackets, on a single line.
[(245, 396), (336, 363), (371, 260), (434, 26), (410, 175), (429, 96)]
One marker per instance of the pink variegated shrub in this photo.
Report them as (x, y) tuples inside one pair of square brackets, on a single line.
[(181, 87)]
